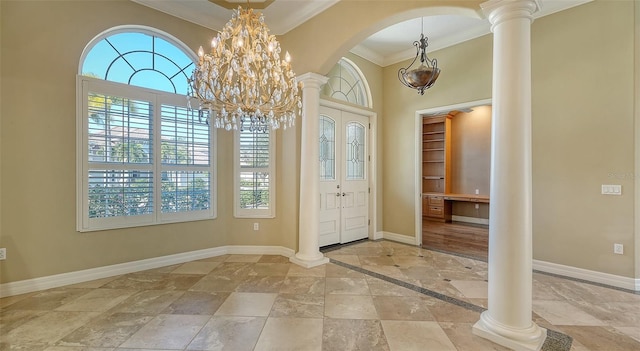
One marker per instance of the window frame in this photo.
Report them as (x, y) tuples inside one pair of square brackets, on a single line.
[(269, 212), (85, 85)]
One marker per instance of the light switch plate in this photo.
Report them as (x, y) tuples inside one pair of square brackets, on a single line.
[(611, 189)]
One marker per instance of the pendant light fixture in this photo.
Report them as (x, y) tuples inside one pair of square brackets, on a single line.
[(424, 76)]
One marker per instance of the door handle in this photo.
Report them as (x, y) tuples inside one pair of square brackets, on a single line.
[(343, 194)]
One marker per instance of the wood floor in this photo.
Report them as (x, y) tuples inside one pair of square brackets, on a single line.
[(456, 237)]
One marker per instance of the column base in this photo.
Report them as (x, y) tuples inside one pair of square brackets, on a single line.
[(309, 262), (529, 339)]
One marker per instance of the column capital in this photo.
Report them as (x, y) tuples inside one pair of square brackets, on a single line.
[(498, 11), (312, 80)]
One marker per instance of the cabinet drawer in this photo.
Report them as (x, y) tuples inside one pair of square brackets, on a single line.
[(436, 201), (436, 211)]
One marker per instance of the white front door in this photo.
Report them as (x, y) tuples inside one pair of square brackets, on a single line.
[(344, 184)]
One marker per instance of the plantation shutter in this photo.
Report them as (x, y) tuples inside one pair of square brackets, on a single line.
[(254, 174)]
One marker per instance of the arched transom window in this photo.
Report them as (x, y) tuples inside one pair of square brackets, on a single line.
[(347, 83), (141, 58)]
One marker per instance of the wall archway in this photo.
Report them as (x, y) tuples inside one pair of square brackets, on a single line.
[(349, 28)]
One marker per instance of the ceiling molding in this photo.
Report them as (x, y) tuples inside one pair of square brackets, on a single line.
[(281, 15), (232, 5)]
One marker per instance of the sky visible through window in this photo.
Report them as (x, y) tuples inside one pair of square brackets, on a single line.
[(139, 59)]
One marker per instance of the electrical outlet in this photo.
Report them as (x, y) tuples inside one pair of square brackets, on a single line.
[(618, 249), (3, 253), (477, 191), (477, 206), (256, 226)]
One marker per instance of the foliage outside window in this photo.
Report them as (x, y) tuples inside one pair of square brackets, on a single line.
[(144, 156), (255, 174)]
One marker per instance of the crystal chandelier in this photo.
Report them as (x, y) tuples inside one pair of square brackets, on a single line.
[(424, 76), (244, 79)]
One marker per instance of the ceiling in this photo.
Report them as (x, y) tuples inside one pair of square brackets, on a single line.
[(388, 46)]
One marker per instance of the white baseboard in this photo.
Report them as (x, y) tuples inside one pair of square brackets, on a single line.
[(57, 280), (378, 235), (473, 220), (405, 239), (588, 275)]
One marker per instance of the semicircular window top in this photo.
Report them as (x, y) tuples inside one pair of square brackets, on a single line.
[(347, 83), (139, 58)]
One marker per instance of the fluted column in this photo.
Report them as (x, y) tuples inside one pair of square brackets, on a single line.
[(308, 254), (508, 319)]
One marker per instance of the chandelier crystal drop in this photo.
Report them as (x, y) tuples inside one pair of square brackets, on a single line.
[(245, 79), (424, 76)]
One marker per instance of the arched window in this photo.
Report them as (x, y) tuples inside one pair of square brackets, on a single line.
[(142, 58), (347, 83), (145, 156)]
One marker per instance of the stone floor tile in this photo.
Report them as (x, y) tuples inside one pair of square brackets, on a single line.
[(379, 287), (303, 285), (462, 337), (228, 333), (167, 332), (197, 302), (270, 269), (247, 304), (564, 313), (602, 338), (273, 259), (353, 334), (299, 271), (48, 328), (402, 308), (298, 306), (414, 335), (260, 284), (48, 300), (149, 302), (98, 300), (335, 271), (106, 330), (347, 286), (211, 283), (12, 319), (475, 289), (299, 334), (349, 307)]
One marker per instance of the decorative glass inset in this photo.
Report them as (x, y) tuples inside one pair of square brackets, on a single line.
[(327, 148), (346, 83), (355, 151)]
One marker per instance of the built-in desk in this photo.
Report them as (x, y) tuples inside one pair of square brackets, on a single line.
[(438, 206), (467, 198)]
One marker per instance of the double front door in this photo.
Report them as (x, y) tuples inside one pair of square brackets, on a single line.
[(344, 187)]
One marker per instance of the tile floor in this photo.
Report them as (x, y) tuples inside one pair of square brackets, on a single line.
[(373, 296)]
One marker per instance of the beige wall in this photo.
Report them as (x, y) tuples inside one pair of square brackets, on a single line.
[(471, 159), (583, 136), (582, 132), (471, 151)]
